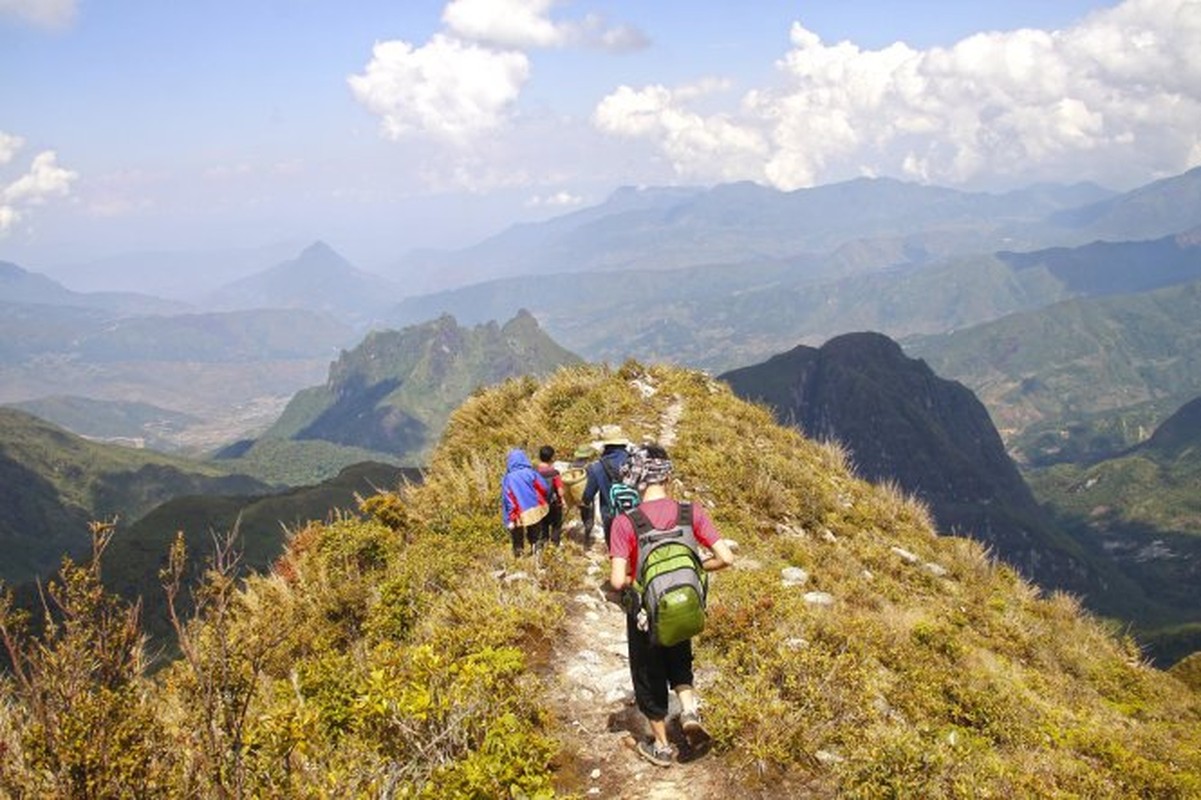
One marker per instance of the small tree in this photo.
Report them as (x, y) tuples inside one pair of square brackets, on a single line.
[(222, 667), (82, 723)]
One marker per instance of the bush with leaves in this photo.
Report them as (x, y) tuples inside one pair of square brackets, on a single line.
[(80, 718)]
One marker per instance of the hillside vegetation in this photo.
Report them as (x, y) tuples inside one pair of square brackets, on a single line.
[(53, 482), (1083, 379), (394, 392), (407, 654)]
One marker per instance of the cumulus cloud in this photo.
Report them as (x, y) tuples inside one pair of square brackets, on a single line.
[(1117, 94), (448, 88), (43, 13), (44, 179), (715, 146), (523, 24), (465, 81)]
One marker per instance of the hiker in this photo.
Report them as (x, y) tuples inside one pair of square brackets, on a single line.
[(575, 479), (602, 473), (653, 667), (523, 501), (552, 523)]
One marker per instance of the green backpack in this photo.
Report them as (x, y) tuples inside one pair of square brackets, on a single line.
[(669, 577)]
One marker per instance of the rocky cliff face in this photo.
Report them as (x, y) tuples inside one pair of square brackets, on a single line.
[(930, 436), (394, 392)]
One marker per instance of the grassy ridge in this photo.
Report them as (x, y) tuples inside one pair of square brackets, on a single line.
[(407, 653)]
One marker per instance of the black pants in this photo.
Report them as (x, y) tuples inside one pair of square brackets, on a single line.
[(519, 533), (655, 669), (552, 525)]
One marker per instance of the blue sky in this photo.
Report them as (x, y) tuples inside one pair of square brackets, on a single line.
[(383, 126)]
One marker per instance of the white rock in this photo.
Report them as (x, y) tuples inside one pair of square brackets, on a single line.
[(596, 773), (937, 570), (905, 555), (819, 598), (794, 576)]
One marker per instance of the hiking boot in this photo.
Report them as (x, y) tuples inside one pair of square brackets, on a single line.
[(658, 754)]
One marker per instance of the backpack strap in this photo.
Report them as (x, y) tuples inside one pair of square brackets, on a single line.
[(642, 523)]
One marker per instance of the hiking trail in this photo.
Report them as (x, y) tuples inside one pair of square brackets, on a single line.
[(595, 699)]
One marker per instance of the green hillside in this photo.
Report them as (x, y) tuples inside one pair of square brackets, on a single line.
[(395, 390), (1079, 379), (1142, 510), (54, 482), (262, 523), (408, 654)]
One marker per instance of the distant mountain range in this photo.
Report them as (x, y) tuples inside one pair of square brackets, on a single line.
[(653, 229), (1083, 379), (22, 287), (317, 280)]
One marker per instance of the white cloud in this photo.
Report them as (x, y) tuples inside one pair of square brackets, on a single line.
[(556, 200), (523, 24), (43, 13), (448, 89), (44, 179), (714, 146), (9, 145), (1117, 95)]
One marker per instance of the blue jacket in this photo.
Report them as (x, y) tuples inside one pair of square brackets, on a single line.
[(523, 498), (599, 480)]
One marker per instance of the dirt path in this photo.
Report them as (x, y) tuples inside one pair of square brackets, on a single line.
[(596, 700), (596, 703)]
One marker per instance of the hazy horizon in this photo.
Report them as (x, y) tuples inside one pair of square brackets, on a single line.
[(135, 128)]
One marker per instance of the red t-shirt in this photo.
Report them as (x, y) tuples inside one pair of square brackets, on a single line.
[(662, 512)]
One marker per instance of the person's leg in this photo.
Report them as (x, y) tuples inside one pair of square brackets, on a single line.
[(587, 519), (649, 676), (679, 676), (678, 662), (517, 535), (554, 521), (534, 535)]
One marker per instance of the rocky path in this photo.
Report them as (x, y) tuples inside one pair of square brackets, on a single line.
[(596, 700), (596, 703)]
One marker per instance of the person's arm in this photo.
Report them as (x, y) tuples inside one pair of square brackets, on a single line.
[(618, 573), (507, 505), (722, 557), (706, 533), (591, 487)]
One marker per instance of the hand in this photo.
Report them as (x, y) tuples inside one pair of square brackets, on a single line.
[(631, 600)]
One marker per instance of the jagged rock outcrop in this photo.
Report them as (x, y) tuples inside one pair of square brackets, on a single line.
[(394, 392), (930, 436)]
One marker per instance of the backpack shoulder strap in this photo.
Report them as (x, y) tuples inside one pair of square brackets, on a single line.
[(642, 523), (612, 472)]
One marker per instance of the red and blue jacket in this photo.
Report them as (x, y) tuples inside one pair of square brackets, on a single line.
[(523, 497)]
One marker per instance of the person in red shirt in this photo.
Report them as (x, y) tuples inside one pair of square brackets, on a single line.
[(552, 523), (653, 669)]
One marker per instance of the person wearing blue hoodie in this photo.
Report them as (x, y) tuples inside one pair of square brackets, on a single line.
[(523, 501)]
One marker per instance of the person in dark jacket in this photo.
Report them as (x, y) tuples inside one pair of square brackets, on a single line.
[(523, 501), (602, 473)]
